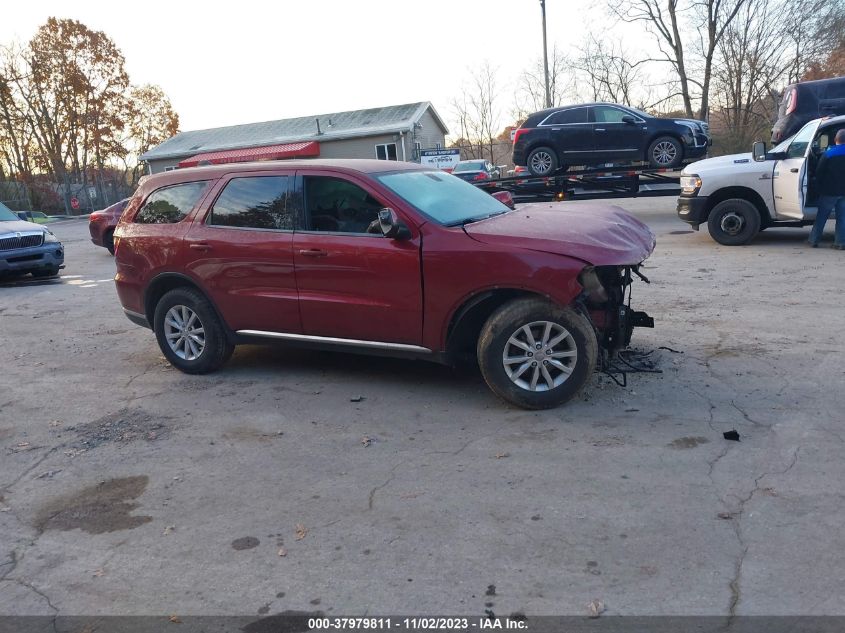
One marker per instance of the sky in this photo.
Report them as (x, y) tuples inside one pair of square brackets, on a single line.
[(242, 62)]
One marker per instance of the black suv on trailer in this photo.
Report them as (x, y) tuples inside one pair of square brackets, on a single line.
[(596, 133)]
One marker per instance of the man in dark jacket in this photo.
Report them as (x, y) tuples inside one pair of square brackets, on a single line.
[(830, 184)]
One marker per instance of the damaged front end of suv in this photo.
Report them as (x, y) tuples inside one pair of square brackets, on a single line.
[(606, 302)]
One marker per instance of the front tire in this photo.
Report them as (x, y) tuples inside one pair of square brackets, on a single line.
[(189, 332), (533, 377), (542, 161), (734, 222), (665, 152)]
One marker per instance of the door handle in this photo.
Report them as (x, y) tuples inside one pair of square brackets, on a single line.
[(201, 246), (313, 252), (794, 170)]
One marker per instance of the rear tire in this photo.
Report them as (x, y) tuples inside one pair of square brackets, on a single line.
[(665, 152), (542, 161), (734, 222), (189, 332), (530, 377)]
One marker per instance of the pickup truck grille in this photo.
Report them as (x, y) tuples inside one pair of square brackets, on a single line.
[(12, 242)]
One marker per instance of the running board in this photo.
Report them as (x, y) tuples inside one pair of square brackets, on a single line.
[(328, 340)]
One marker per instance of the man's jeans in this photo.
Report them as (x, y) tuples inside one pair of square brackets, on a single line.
[(828, 204)]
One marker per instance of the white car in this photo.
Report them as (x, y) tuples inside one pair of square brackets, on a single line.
[(742, 194)]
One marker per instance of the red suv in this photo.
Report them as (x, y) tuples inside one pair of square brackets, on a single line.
[(383, 257), (101, 224)]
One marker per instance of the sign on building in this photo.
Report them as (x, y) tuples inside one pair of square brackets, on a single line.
[(440, 158)]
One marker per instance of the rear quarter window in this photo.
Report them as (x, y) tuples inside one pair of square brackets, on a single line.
[(170, 204)]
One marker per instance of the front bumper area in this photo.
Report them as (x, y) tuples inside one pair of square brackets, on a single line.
[(48, 256), (692, 210)]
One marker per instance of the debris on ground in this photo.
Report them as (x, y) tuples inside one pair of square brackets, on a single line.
[(49, 474), (366, 441), (669, 349), (175, 619), (725, 515), (357, 399), (283, 551), (596, 608), (98, 573), (502, 455), (301, 531), (733, 436), (168, 530), (125, 425)]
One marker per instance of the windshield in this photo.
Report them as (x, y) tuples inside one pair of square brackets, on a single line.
[(444, 198), (472, 165), (6, 215), (781, 147)]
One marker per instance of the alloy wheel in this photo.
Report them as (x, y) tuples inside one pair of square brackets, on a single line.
[(540, 356), (664, 153), (184, 332)]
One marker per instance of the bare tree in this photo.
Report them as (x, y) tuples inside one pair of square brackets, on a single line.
[(478, 114), (530, 94), (609, 75), (663, 21), (670, 23)]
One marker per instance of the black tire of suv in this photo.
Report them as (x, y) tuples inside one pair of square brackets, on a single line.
[(679, 153), (734, 222), (505, 321), (552, 160), (217, 348), (108, 241)]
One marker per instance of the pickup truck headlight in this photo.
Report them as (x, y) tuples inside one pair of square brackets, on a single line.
[(690, 185), (49, 237)]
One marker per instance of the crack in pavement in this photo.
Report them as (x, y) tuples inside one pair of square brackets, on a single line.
[(373, 492), (736, 519)]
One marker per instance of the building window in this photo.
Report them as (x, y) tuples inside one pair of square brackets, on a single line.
[(386, 151), (171, 168)]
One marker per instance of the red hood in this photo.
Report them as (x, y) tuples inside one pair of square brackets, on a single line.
[(599, 234)]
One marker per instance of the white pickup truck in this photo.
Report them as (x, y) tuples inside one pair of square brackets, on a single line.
[(740, 195)]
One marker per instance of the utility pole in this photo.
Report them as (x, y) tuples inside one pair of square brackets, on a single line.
[(545, 55)]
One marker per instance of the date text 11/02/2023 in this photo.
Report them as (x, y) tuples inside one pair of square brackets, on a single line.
[(417, 623)]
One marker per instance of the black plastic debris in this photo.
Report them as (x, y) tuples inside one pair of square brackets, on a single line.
[(733, 436)]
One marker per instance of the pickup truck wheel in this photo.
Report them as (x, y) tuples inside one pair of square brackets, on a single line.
[(665, 152), (542, 161), (734, 222), (536, 354), (189, 332)]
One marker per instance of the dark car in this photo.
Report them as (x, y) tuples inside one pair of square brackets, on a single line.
[(475, 171), (805, 101), (101, 224), (381, 257), (596, 133), (26, 247)]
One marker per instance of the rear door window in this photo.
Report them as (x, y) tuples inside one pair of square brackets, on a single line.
[(171, 204), (256, 202), (574, 115)]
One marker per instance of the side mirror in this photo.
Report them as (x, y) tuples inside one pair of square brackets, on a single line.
[(758, 151), (391, 226), (628, 119)]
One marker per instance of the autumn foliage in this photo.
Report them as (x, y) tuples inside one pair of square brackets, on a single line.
[(68, 112)]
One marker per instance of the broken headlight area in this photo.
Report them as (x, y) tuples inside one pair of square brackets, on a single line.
[(606, 299)]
